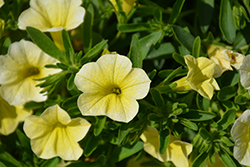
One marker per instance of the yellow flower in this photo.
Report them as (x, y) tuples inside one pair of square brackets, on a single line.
[(1, 3), (23, 63), (53, 16), (54, 133), (10, 116), (224, 59), (127, 5), (241, 135), (199, 77), (110, 87), (177, 150), (245, 73)]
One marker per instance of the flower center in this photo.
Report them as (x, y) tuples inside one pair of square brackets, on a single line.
[(116, 91), (31, 71)]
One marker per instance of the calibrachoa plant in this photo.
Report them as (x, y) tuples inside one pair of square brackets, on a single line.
[(124, 83)]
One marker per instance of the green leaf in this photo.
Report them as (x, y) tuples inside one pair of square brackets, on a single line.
[(33, 105), (226, 20), (172, 75), (67, 44), (134, 27), (196, 47), (44, 43), (152, 74), (91, 146), (227, 93), (189, 124), (205, 14), (70, 83), (226, 159), (165, 51), (8, 160), (176, 11), (92, 53), (24, 140), (178, 58), (195, 115), (51, 162), (158, 14), (205, 134), (202, 103), (123, 152), (184, 37), (153, 117), (87, 28), (227, 119), (123, 131), (200, 160), (164, 140), (148, 41), (157, 98), (101, 120), (135, 52)]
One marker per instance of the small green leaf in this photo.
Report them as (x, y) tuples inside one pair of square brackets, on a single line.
[(123, 131), (134, 27), (135, 52), (33, 105), (200, 160), (92, 53), (189, 124), (87, 28), (226, 159), (226, 93), (205, 134), (67, 44), (165, 50), (153, 117), (227, 119), (226, 20), (101, 120), (148, 41), (152, 74), (158, 14), (176, 11), (51, 162), (195, 115), (205, 14), (157, 98), (91, 146), (184, 37), (44, 43), (8, 160), (172, 75), (180, 59), (196, 47), (70, 82), (123, 152), (164, 140), (202, 103)]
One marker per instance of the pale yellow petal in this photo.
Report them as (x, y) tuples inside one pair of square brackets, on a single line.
[(150, 137), (33, 18), (206, 68), (78, 128), (89, 77), (115, 107), (1, 3), (55, 114), (237, 59), (136, 85), (35, 127), (22, 92), (47, 15), (8, 118), (127, 5), (241, 134), (116, 67), (182, 84), (178, 152), (54, 134), (245, 72), (22, 113)]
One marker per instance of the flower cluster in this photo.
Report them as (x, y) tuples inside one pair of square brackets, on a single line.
[(124, 82)]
